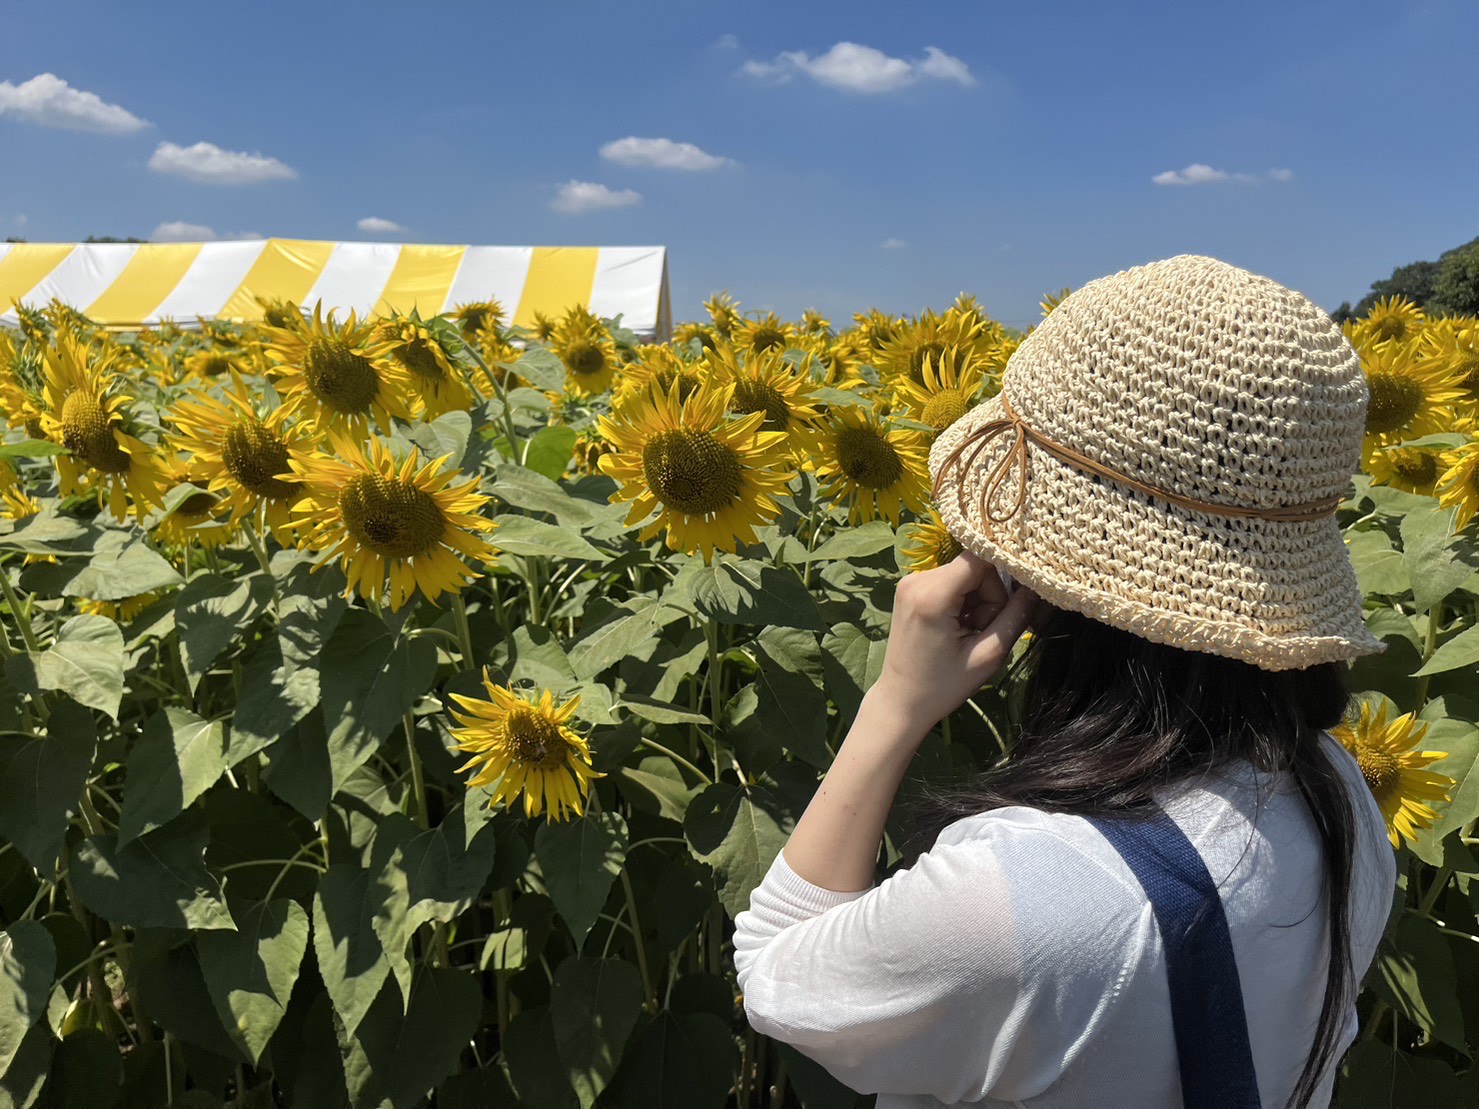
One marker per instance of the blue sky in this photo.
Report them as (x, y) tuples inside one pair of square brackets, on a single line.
[(848, 155)]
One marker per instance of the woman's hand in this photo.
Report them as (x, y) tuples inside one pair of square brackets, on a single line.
[(953, 628)]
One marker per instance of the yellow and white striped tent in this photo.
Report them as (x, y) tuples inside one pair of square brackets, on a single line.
[(130, 285)]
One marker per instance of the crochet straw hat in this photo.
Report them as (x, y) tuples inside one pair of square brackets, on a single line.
[(1166, 455)]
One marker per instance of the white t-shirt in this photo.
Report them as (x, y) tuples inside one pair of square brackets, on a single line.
[(1018, 961)]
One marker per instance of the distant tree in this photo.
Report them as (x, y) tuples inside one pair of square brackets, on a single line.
[(1456, 291), (111, 239), (1413, 281), (13, 239), (1343, 313)]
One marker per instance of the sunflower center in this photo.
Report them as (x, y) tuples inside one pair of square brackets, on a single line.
[(391, 517), (196, 507), (764, 337), (87, 433), (215, 364), (418, 357), (1389, 327), (255, 457), (932, 351), (1469, 374), (1380, 768), (280, 315), (948, 550), (585, 359), (535, 740), (868, 458), (1417, 467), (665, 377), (691, 471), (340, 377), (944, 408), (758, 396), (1395, 400)]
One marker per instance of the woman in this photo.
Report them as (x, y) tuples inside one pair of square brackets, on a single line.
[(1170, 890)]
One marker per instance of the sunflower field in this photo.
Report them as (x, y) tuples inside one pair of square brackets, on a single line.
[(397, 711)]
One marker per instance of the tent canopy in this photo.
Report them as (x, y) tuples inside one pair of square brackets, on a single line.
[(130, 285)]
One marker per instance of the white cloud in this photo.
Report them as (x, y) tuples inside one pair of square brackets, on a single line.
[(588, 196), (1199, 173), (857, 68), (48, 101), (727, 42), (377, 226), (660, 154), (894, 244), (208, 164), (178, 231)]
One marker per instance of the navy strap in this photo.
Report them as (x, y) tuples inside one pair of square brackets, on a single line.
[(1207, 1012)]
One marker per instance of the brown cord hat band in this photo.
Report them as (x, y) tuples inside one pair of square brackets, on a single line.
[(989, 430)]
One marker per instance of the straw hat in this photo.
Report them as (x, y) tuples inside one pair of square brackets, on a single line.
[(1166, 456)]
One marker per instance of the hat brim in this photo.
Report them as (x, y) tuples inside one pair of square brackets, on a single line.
[(1281, 595)]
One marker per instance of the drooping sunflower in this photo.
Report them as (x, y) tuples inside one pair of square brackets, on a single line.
[(85, 414), (209, 364), (814, 323), (194, 517), (685, 333), (544, 326), (1394, 768), (709, 477), (784, 391), (659, 366), (589, 447), (338, 376), (409, 523), (433, 378), (241, 455), (1393, 317), (1458, 485), (478, 315), (21, 402), (15, 503), (874, 467), (766, 332), (932, 544), (1456, 343), (1414, 469), (589, 354), (1410, 397), (952, 382), (876, 329), (1052, 300), (902, 357), (120, 611), (723, 309), (280, 314), (525, 747)]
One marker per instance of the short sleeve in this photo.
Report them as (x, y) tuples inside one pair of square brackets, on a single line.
[(981, 971)]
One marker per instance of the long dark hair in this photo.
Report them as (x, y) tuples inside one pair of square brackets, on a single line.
[(1106, 717)]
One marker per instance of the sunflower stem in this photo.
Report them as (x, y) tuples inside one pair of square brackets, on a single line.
[(28, 633), (716, 690), (626, 885), (502, 393), (1430, 644), (464, 630), (679, 759), (536, 616), (418, 778), (260, 550)]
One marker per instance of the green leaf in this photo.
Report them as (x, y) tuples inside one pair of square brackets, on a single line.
[(792, 700), (524, 535), (165, 974), (1462, 650), (527, 1048), (1431, 553), (369, 681), (656, 785), (746, 592), (394, 1059), (27, 966), (550, 450), (1417, 979), (299, 770), (629, 635), (31, 448), (535, 492), (1460, 739), (536, 656), (157, 881), (48, 533), (1379, 566), (41, 780), (279, 687), (177, 758), (1376, 1077), (21, 1081), (858, 542), (112, 575), (580, 860), (250, 972), (594, 1004), (659, 712), (444, 872), (446, 435), (685, 1062), (852, 660), (213, 611), (541, 368), (351, 956), (86, 1071), (86, 663), (735, 835)]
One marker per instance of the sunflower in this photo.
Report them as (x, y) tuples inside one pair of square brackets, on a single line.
[(966, 305), (1455, 342), (1393, 767), (1410, 397), (709, 477), (280, 314), (659, 367), (589, 354), (903, 357), (767, 332), (429, 370), (1414, 469), (20, 387), (479, 315), (814, 323), (874, 466), (1458, 486), (1052, 300), (338, 376), (588, 451), (947, 391), (785, 392), (408, 523), (876, 329), (723, 309), (197, 517), (839, 361), (15, 504), (544, 326), (1393, 317), (84, 415), (686, 333), (120, 611), (525, 747), (932, 546), (241, 456)]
